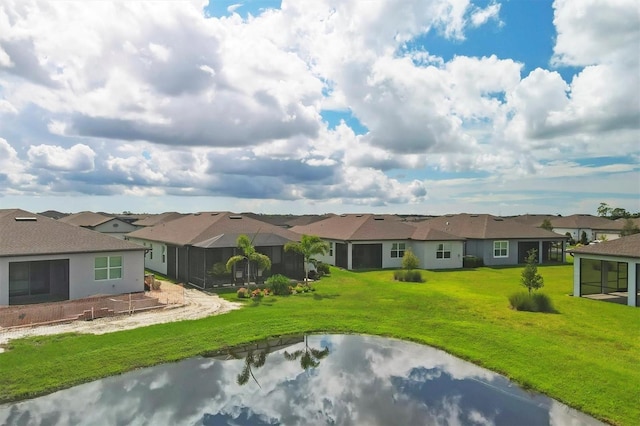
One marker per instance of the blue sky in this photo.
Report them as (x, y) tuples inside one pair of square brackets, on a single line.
[(503, 107)]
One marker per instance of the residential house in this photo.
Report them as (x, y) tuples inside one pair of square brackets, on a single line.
[(108, 225), (44, 260), (361, 241), (187, 248), (498, 241), (610, 269), (594, 227)]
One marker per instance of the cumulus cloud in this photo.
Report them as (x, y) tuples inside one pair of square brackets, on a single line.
[(78, 158), (162, 99)]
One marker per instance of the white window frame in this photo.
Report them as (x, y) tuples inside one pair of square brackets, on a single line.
[(110, 268), (151, 251), (443, 251), (397, 250), (164, 254), (330, 248), (499, 247)]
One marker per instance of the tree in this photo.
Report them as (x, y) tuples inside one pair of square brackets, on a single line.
[(604, 210), (546, 224), (583, 238), (410, 260), (629, 228), (572, 242), (309, 246), (531, 279), (249, 254)]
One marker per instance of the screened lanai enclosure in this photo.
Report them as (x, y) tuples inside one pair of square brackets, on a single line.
[(203, 264)]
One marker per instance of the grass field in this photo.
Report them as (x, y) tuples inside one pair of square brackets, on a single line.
[(587, 355)]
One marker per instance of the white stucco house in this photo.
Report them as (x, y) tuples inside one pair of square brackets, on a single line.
[(45, 260), (107, 225)]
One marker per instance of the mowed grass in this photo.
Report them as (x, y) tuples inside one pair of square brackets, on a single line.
[(587, 355)]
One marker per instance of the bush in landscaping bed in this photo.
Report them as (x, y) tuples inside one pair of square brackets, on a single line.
[(412, 276), (537, 302), (278, 284), (322, 268), (472, 262), (242, 293)]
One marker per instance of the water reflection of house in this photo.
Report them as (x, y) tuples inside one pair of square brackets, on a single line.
[(187, 248), (609, 270)]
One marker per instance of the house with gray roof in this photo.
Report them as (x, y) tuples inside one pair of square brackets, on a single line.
[(594, 227), (187, 248), (108, 225), (45, 260), (499, 241), (155, 219), (608, 270), (363, 241)]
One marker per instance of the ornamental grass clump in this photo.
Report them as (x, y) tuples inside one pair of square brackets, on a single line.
[(278, 284)]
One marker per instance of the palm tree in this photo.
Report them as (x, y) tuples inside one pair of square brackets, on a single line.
[(309, 357), (252, 360), (309, 246), (249, 254)]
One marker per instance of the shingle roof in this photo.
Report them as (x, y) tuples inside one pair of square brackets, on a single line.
[(532, 219), (485, 226), (215, 229), (155, 219), (625, 246), (49, 236), (586, 221), (86, 219), (369, 227)]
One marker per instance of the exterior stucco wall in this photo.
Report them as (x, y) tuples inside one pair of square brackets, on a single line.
[(82, 282), (154, 259), (330, 257), (426, 252), (484, 250)]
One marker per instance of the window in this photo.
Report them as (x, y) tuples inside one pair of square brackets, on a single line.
[(501, 249), (164, 254), (443, 251), (330, 249), (151, 252), (108, 268), (397, 249)]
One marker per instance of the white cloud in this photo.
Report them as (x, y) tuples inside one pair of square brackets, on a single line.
[(78, 158)]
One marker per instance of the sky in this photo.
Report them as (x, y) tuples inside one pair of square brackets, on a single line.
[(408, 106)]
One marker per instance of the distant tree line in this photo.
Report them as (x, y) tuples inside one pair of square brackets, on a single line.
[(613, 213)]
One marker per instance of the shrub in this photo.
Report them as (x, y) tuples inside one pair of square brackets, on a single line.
[(256, 293), (322, 268), (242, 293), (410, 260), (538, 302), (472, 262), (413, 276), (155, 285), (278, 284)]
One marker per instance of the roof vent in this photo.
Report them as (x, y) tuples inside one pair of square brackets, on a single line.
[(343, 215), (498, 219), (473, 215), (358, 215), (235, 217), (26, 219), (214, 214), (378, 218)]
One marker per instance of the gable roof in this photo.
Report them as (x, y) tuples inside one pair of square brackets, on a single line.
[(369, 227), (215, 229), (532, 219), (23, 233), (624, 246), (486, 226), (86, 219)]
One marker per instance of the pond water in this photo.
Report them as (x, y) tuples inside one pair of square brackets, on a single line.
[(314, 380)]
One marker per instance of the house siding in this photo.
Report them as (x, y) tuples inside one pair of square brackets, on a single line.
[(426, 252), (82, 282), (153, 259)]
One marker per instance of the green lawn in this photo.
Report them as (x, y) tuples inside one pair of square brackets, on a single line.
[(587, 355)]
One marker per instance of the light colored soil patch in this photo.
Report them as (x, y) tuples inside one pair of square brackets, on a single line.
[(197, 304)]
